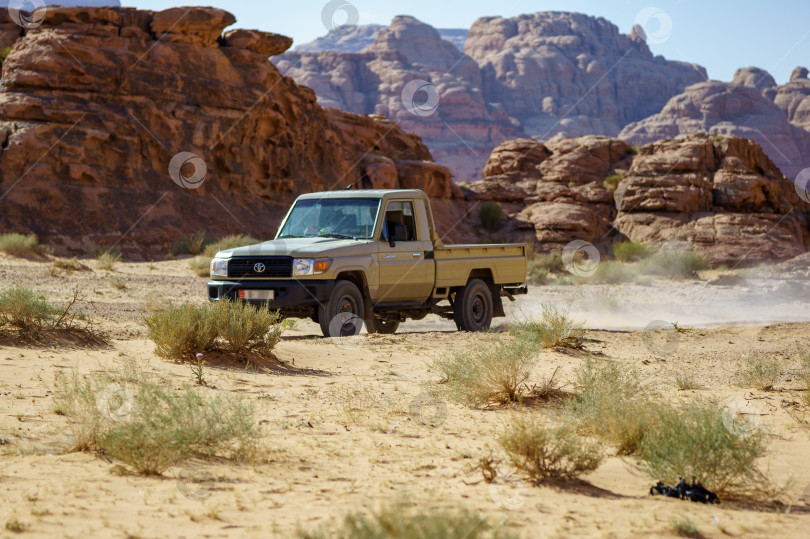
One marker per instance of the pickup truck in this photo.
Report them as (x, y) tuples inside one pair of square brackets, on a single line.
[(373, 258)]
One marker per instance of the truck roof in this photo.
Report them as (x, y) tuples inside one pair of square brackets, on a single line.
[(366, 193)]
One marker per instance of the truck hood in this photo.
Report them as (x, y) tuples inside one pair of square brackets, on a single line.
[(301, 248)]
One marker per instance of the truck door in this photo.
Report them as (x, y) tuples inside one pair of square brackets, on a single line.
[(406, 273)]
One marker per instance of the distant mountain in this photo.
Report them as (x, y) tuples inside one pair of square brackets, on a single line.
[(87, 3), (358, 37)]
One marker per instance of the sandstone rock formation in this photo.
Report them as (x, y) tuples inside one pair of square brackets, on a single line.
[(94, 107), (719, 195), (794, 99), (447, 110), (355, 38), (541, 75)]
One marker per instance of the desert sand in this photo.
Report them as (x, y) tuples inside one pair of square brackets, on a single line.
[(347, 426)]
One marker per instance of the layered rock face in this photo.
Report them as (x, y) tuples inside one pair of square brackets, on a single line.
[(738, 109), (97, 103), (355, 38), (414, 77), (721, 196), (794, 99), (541, 75)]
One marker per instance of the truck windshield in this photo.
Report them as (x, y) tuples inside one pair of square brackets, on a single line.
[(332, 218)]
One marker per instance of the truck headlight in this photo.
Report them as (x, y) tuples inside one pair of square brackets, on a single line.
[(310, 266), (219, 267)]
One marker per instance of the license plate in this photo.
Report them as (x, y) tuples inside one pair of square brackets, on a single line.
[(262, 295)]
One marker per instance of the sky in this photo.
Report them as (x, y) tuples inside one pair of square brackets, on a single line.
[(721, 35)]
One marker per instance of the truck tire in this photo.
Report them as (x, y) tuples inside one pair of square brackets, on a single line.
[(473, 306), (342, 315), (385, 327)]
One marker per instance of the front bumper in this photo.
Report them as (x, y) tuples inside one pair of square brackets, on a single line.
[(290, 295)]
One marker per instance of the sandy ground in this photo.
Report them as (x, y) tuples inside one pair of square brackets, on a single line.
[(351, 431)]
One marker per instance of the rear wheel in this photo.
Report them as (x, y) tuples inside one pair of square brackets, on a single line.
[(342, 315), (385, 327), (473, 306)]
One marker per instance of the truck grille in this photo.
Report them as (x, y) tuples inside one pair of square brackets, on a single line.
[(274, 266)]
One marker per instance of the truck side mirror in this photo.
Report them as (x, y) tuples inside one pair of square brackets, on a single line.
[(397, 232)]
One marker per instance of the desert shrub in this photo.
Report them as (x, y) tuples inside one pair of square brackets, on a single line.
[(491, 216), (612, 404), (229, 242), (182, 331), (21, 245), (612, 273), (486, 373), (554, 329), (694, 440), (805, 373), (193, 244), (540, 266), (631, 251), (108, 260), (244, 328), (759, 371), (69, 266), (4, 52), (150, 426), (685, 528), (21, 308), (612, 181), (200, 265), (685, 380), (402, 521), (675, 264), (544, 452)]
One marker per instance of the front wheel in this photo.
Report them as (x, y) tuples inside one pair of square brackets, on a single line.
[(473, 306), (342, 315)]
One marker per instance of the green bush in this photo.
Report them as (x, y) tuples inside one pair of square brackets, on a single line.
[(548, 453), (487, 372), (181, 332), (21, 245), (402, 521), (193, 244), (150, 426), (675, 264), (540, 266), (21, 308), (612, 181), (630, 251), (491, 216), (554, 329), (696, 441), (4, 52)]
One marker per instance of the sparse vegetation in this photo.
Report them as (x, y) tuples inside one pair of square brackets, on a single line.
[(491, 216), (15, 526), (108, 260), (540, 266), (21, 308), (554, 329), (181, 332), (69, 266), (21, 245), (684, 527), (612, 181), (759, 371), (805, 373), (118, 284), (612, 273), (544, 452), (4, 52), (193, 244), (686, 380), (403, 521), (150, 426), (612, 404), (694, 441), (489, 372), (201, 266), (228, 242), (675, 264), (631, 251)]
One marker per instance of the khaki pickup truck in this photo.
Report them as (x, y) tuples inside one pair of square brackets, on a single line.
[(370, 257)]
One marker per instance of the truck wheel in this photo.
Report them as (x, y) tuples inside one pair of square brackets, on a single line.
[(342, 315), (473, 306), (385, 327)]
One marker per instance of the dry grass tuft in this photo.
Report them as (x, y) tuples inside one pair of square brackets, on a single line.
[(108, 260), (544, 452), (21, 245), (555, 329), (759, 372)]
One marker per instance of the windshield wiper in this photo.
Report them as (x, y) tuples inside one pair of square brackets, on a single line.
[(289, 236), (339, 236)]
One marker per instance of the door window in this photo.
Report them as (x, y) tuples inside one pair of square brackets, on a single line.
[(400, 213)]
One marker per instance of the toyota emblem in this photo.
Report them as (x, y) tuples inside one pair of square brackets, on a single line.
[(259, 267)]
